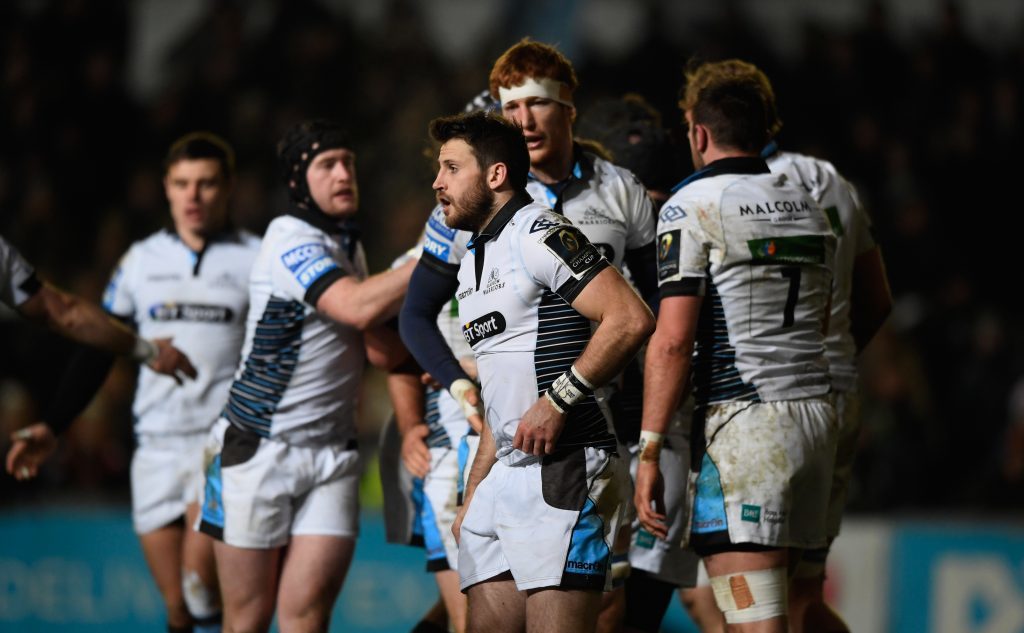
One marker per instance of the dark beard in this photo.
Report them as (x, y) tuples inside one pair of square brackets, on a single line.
[(471, 211)]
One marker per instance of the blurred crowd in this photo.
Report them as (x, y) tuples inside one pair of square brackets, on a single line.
[(925, 126)]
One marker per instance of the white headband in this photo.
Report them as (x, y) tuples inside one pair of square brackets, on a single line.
[(545, 88)]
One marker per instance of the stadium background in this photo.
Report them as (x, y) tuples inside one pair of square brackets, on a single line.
[(919, 102)]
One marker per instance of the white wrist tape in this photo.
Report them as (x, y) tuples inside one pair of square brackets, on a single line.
[(145, 351), (650, 446), (459, 389), (568, 390), (751, 596)]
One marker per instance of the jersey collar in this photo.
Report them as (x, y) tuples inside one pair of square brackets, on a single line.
[(582, 170), (771, 149), (324, 222), (519, 200), (722, 166)]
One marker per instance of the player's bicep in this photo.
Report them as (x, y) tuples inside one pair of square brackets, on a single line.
[(608, 290)]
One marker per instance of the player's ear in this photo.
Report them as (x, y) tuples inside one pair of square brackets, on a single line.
[(700, 135), (497, 176)]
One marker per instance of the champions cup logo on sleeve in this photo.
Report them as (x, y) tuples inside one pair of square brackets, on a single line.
[(486, 326), (572, 248), (668, 254), (308, 262)]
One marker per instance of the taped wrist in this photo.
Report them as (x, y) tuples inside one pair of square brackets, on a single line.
[(144, 351), (459, 389), (650, 446), (568, 390)]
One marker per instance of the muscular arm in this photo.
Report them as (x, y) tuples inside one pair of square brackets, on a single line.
[(85, 322), (368, 302), (666, 372), (624, 323), (870, 297), (79, 320)]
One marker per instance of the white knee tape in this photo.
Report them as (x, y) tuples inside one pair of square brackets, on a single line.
[(751, 596), (201, 602)]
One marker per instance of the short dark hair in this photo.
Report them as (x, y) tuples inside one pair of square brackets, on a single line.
[(492, 138), (200, 145), (735, 101)]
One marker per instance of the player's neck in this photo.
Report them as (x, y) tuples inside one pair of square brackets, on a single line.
[(555, 169), (501, 198)]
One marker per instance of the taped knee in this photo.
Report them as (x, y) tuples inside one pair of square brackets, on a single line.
[(751, 596), (202, 602)]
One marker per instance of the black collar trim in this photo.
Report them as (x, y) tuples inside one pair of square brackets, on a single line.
[(321, 220), (723, 166), (519, 200)]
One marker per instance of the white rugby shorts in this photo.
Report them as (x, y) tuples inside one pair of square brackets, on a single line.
[(166, 476), (259, 492), (765, 476), (551, 524)]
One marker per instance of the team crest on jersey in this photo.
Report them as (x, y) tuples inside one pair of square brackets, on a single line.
[(671, 214), (668, 254), (592, 216), (572, 248), (485, 327), (543, 224), (494, 282)]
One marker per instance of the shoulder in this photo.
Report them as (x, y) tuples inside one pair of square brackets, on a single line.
[(614, 175), (534, 220)]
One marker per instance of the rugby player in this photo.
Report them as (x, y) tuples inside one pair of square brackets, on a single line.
[(546, 490), (281, 493), (744, 261)]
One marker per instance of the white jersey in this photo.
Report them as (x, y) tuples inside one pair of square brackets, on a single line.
[(18, 280), (759, 250), (606, 202), (200, 301), (852, 228), (516, 286), (298, 380)]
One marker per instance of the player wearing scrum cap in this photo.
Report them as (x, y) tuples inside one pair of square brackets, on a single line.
[(281, 492)]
